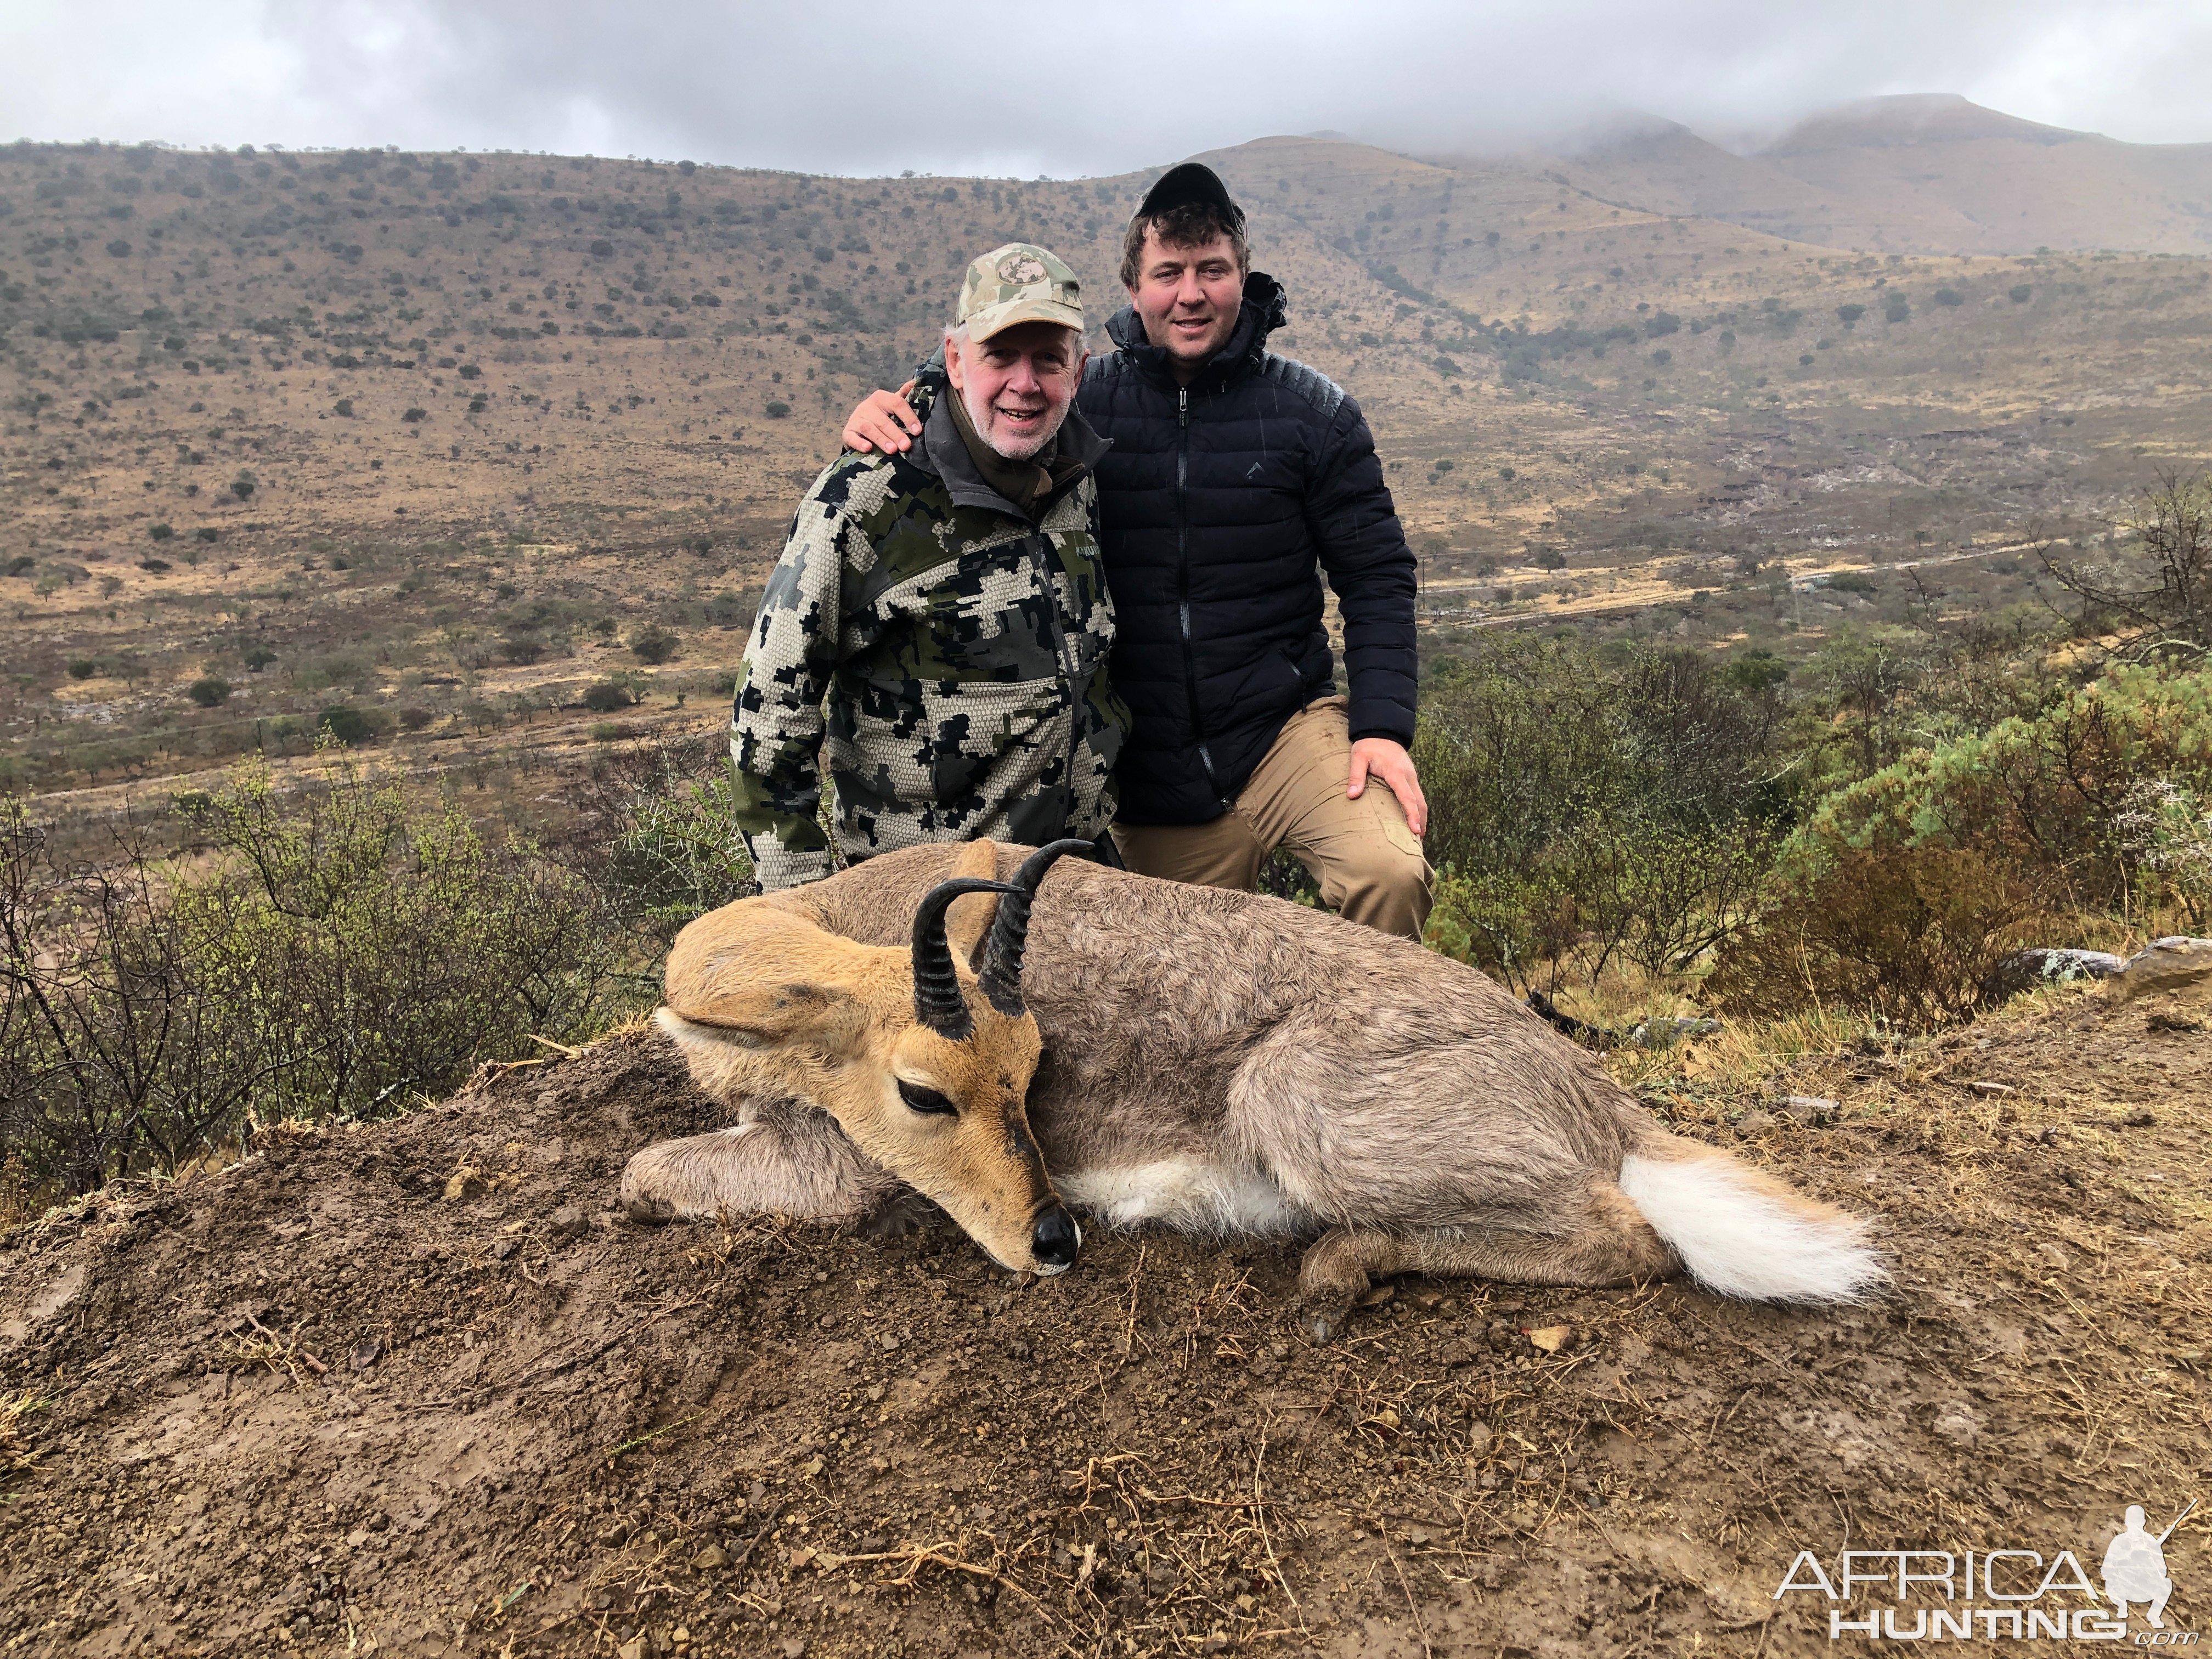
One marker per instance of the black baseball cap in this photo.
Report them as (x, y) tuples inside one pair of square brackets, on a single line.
[(1190, 182)]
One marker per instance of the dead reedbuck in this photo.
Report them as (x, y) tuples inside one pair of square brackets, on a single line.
[(1219, 1062)]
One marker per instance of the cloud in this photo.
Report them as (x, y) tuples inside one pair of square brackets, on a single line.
[(931, 87)]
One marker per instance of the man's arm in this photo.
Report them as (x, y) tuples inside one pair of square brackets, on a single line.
[(776, 726), (1362, 547)]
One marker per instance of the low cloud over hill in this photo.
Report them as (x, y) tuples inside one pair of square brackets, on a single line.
[(1923, 174)]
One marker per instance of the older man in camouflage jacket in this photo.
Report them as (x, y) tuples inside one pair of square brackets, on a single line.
[(939, 622)]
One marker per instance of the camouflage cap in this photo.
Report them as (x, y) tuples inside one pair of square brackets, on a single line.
[(1020, 282)]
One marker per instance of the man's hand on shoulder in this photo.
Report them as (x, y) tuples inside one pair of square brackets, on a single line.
[(883, 421), (1386, 762)]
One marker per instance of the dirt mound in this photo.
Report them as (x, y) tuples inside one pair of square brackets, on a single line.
[(415, 1387)]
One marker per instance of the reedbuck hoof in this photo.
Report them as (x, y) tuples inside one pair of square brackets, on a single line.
[(1334, 1277), (640, 1194), (648, 1209), (1324, 1323), (907, 1213)]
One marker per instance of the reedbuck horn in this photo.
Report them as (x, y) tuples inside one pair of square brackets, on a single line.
[(938, 1003), (1001, 973)]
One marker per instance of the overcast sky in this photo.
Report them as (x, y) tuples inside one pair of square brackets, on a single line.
[(1024, 90)]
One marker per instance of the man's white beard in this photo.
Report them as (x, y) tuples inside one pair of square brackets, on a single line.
[(980, 416)]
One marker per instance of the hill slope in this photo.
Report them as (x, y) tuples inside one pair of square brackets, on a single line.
[(434, 437), (412, 1388)]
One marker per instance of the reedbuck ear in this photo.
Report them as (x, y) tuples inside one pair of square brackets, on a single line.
[(769, 977), (970, 918)]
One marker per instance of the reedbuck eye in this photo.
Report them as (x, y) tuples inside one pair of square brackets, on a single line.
[(925, 1100)]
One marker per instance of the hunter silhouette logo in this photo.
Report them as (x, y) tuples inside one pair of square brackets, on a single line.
[(2135, 1566)]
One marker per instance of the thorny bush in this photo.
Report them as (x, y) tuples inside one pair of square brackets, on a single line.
[(330, 951), (1903, 892), (1605, 802)]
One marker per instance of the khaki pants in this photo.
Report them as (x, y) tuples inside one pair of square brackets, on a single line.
[(1369, 864)]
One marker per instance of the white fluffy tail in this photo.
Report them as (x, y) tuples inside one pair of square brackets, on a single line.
[(1742, 1234)]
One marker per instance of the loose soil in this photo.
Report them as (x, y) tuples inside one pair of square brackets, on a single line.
[(415, 1388)]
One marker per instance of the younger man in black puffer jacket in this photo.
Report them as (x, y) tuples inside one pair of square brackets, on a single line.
[(1236, 481)]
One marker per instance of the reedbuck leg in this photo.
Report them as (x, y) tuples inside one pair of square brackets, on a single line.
[(783, 1159), (1609, 1243)]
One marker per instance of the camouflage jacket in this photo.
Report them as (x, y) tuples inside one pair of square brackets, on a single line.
[(947, 651)]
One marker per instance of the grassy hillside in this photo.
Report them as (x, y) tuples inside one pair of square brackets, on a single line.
[(448, 441)]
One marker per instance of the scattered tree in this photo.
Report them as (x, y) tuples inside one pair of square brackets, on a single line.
[(2168, 606), (653, 644)]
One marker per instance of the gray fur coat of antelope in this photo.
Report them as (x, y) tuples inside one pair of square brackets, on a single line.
[(1012, 1034)]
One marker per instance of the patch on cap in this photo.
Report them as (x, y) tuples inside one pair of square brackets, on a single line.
[(1020, 282)]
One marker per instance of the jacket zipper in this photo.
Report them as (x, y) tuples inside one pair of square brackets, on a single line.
[(1182, 561)]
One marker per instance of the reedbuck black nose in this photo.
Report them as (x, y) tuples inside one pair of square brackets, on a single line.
[(1056, 1239)]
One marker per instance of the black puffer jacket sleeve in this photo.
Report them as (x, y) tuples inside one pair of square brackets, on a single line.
[(1355, 531)]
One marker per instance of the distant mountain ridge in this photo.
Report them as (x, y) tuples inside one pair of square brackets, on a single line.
[(1924, 172)]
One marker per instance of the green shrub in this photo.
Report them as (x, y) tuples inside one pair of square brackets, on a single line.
[(1617, 802), (677, 854), (82, 668), (606, 696), (343, 954), (210, 690), (777, 409), (161, 532), (1908, 934), (1903, 891), (2047, 790), (653, 643), (346, 725)]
